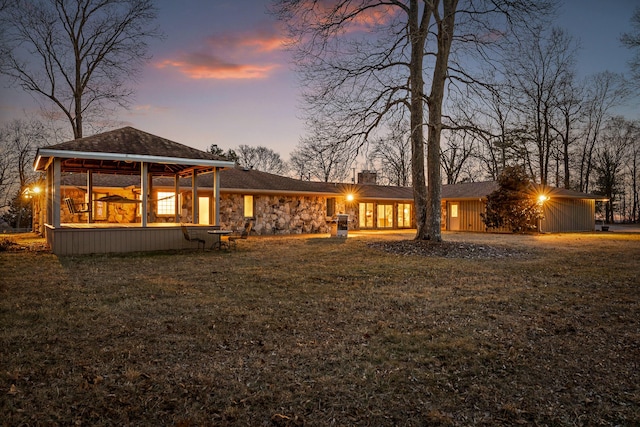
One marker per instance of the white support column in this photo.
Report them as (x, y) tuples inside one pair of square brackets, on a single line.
[(194, 198), (55, 193), (144, 184), (176, 181), (215, 197), (90, 196)]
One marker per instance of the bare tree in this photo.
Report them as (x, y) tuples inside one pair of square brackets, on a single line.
[(538, 69), (314, 159), (79, 55), (617, 139), (361, 60), (260, 158), (570, 103), (19, 141), (458, 150), (392, 155), (632, 41), (604, 92)]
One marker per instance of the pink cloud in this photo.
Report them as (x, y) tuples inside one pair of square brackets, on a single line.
[(198, 66), (254, 55)]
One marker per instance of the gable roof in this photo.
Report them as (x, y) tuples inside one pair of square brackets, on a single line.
[(121, 151)]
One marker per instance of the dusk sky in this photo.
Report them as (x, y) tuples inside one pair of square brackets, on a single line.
[(221, 77)]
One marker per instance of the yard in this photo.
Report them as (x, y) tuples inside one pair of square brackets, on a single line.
[(289, 331)]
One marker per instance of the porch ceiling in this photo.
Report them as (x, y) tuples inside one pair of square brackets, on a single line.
[(127, 167)]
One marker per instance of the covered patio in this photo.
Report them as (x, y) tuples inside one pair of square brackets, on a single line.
[(125, 151)]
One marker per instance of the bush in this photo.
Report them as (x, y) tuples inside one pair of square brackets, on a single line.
[(513, 205)]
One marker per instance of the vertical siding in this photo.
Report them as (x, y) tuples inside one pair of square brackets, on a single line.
[(470, 219), (564, 215), (468, 214)]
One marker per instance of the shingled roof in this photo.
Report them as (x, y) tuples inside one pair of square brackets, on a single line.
[(240, 180), (122, 150)]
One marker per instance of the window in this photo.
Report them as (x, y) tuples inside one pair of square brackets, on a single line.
[(404, 215), (166, 204), (385, 216), (331, 206), (365, 216), (248, 206), (454, 210)]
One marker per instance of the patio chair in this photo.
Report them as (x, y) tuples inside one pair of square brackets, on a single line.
[(232, 240), (189, 238), (75, 210)]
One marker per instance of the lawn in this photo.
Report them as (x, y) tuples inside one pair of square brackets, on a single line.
[(371, 330)]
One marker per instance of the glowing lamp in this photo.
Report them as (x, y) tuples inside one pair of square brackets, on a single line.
[(542, 198), (349, 197)]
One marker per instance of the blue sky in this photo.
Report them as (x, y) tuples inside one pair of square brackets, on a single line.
[(220, 77)]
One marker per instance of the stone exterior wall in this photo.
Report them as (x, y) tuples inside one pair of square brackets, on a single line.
[(119, 213), (273, 214), (277, 214)]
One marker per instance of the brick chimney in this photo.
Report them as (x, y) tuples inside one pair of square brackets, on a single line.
[(367, 177)]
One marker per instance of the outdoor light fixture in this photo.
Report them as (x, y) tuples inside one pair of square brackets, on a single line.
[(30, 192), (542, 198), (349, 197)]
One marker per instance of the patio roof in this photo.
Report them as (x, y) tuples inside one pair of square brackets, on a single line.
[(121, 151)]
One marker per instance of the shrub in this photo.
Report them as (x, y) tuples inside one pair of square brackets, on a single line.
[(513, 205)]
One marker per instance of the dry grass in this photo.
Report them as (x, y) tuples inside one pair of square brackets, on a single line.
[(317, 331)]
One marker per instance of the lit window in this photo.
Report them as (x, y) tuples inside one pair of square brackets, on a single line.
[(385, 216), (366, 215), (166, 203), (454, 210), (248, 206), (404, 215)]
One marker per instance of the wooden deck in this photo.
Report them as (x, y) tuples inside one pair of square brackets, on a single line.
[(82, 239)]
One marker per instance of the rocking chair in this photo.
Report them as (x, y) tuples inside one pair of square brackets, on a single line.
[(76, 210)]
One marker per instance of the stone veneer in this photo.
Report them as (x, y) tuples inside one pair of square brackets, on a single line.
[(276, 214)]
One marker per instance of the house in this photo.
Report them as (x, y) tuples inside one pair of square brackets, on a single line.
[(282, 205), (128, 180)]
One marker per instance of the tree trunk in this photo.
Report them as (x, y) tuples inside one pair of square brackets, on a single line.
[(434, 181), (418, 38)]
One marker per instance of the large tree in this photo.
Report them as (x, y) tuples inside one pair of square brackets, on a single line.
[(79, 55), (361, 60)]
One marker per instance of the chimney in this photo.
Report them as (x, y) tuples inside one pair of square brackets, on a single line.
[(367, 177)]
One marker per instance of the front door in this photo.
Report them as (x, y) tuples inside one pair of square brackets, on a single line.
[(454, 219), (203, 210)]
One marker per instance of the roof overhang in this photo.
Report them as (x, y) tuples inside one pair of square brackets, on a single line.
[(99, 162)]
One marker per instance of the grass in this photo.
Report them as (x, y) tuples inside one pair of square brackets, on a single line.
[(292, 331)]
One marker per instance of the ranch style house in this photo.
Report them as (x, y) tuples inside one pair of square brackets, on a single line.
[(127, 190)]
